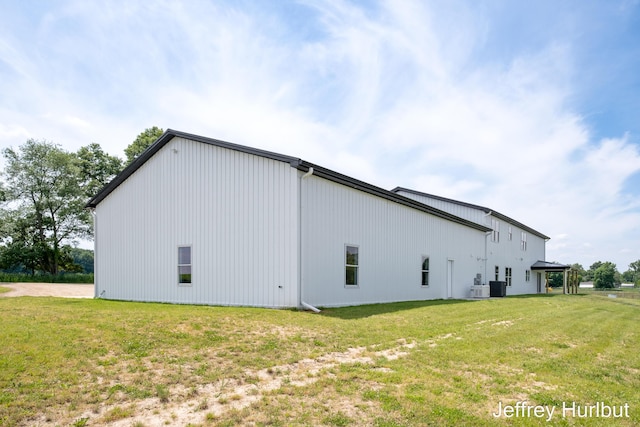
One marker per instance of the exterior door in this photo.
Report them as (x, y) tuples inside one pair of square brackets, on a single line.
[(539, 283), (449, 278)]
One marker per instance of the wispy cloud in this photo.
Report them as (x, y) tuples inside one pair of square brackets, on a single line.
[(449, 98)]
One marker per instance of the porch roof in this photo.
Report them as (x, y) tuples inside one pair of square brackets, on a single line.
[(549, 266)]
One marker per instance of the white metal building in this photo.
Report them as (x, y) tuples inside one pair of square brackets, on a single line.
[(513, 249), (201, 221)]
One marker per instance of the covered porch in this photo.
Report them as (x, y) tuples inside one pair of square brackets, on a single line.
[(569, 277)]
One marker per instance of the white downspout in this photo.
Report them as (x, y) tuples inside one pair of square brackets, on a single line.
[(94, 217), (486, 255), (309, 307), (302, 303), (308, 174), (486, 250)]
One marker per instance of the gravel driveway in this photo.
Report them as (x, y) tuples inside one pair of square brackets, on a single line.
[(47, 290)]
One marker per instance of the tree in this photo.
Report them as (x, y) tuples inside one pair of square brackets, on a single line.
[(629, 276), (44, 208), (605, 276), (83, 258), (588, 276), (97, 168), (142, 142), (556, 280), (632, 275)]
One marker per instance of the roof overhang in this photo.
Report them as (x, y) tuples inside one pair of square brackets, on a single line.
[(551, 267), (295, 162), (472, 206)]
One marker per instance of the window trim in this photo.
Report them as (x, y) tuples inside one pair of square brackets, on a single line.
[(508, 274), (523, 241), (423, 271), (356, 266), (527, 275), (190, 265), (497, 272)]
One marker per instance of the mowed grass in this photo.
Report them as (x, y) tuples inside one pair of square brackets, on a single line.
[(96, 362)]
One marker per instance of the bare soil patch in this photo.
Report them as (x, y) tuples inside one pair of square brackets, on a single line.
[(64, 290), (195, 405)]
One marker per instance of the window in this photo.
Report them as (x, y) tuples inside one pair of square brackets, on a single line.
[(425, 271), (497, 273), (510, 234), (523, 241), (527, 275), (351, 265), (184, 265), (507, 275), (495, 226)]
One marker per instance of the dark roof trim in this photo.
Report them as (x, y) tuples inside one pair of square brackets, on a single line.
[(293, 161), (167, 136), (482, 208), (549, 266), (386, 194)]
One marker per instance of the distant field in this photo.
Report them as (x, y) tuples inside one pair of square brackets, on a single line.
[(95, 362)]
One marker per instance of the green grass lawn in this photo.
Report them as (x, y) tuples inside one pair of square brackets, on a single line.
[(94, 362)]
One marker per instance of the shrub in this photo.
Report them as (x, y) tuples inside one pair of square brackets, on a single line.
[(46, 278)]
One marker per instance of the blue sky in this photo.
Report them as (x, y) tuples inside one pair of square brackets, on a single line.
[(530, 108)]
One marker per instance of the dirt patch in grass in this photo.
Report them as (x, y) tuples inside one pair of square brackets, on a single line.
[(180, 405), (48, 290)]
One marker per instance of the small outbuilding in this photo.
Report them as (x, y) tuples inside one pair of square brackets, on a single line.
[(197, 220)]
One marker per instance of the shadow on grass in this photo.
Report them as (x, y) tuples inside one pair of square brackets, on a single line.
[(363, 311)]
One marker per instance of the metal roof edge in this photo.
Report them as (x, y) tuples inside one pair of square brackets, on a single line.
[(295, 162), (482, 208), (386, 194), (167, 136), (546, 265)]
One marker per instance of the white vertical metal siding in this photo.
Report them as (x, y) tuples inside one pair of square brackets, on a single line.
[(466, 212), (392, 240), (238, 212), (504, 253)]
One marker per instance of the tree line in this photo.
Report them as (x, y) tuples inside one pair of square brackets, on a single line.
[(43, 193), (603, 275)]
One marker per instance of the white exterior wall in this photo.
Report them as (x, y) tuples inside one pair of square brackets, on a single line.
[(508, 253), (504, 253), (476, 215), (238, 212), (392, 239)]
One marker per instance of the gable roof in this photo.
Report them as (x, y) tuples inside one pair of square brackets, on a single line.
[(472, 206), (295, 162)]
